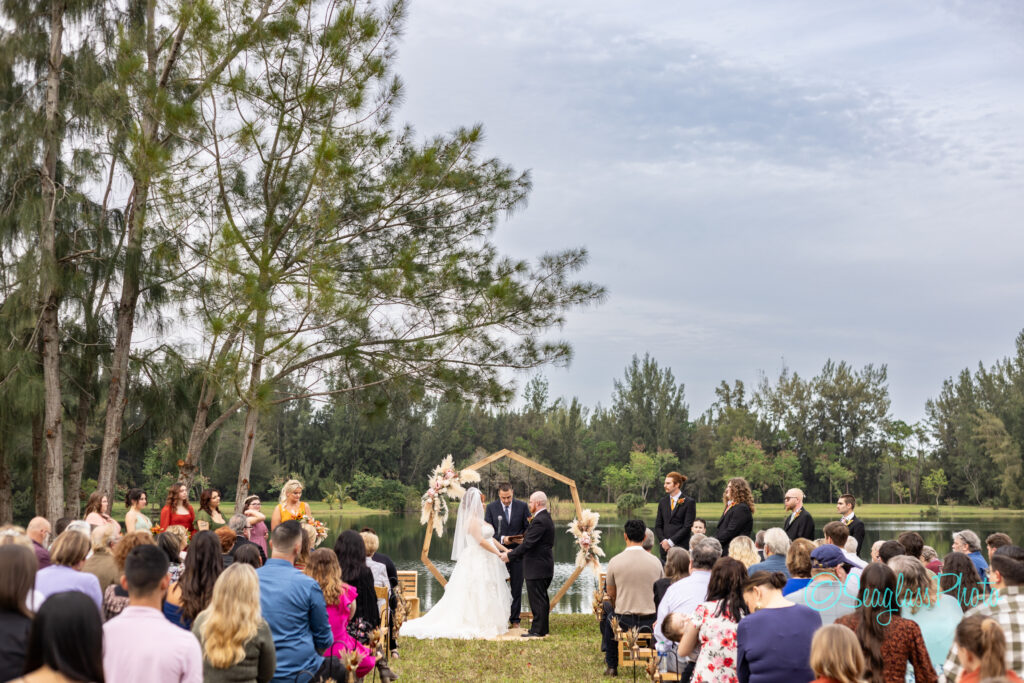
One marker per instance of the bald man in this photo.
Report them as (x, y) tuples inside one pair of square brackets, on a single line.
[(39, 531), (799, 523)]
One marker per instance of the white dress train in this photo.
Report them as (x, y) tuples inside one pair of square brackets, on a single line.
[(476, 602)]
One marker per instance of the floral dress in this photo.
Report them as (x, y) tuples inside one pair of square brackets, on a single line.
[(716, 636)]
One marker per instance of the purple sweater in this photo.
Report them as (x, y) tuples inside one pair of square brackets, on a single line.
[(57, 579)]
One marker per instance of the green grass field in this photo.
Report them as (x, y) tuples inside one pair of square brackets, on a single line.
[(572, 652)]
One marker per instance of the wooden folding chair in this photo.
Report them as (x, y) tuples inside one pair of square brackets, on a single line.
[(407, 585)]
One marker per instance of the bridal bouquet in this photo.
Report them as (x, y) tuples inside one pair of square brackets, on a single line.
[(445, 482), (319, 528), (588, 539)]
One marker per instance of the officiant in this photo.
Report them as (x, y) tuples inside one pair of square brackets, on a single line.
[(509, 517)]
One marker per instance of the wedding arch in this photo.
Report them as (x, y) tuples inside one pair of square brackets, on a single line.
[(511, 455)]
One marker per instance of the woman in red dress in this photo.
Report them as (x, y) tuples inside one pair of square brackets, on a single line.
[(177, 509)]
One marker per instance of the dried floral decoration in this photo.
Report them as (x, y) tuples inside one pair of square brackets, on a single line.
[(588, 540), (444, 482)]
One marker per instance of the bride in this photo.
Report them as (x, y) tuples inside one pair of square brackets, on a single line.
[(477, 600)]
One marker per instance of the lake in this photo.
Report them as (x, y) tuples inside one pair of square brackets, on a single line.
[(401, 538)]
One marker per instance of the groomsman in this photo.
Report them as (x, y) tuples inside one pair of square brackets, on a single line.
[(509, 517), (799, 524), (845, 508), (676, 512)]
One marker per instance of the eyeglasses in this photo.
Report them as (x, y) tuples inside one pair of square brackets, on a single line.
[(788, 497)]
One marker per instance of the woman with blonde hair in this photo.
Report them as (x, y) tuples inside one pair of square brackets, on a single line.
[(340, 599), (291, 505), (236, 641), (738, 516), (744, 550), (836, 656), (68, 554)]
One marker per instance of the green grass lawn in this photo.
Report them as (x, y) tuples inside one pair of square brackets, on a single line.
[(572, 652)]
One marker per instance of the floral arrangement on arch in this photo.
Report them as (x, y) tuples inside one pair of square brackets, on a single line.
[(588, 540), (444, 482)]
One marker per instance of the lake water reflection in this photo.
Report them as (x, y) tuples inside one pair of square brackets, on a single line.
[(402, 539)]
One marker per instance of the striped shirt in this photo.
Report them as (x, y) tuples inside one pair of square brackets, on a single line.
[(1009, 612)]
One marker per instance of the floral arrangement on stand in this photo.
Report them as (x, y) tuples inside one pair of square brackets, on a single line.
[(444, 482), (588, 539)]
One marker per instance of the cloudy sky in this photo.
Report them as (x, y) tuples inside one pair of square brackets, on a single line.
[(758, 184)]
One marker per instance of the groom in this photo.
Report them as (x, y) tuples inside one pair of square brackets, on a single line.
[(509, 516), (538, 562)]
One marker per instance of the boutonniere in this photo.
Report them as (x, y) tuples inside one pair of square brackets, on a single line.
[(848, 522), (797, 513), (529, 519), (729, 506)]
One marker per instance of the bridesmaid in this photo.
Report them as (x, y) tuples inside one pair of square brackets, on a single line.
[(136, 520), (291, 505), (257, 521), (209, 517), (177, 509), (97, 511)]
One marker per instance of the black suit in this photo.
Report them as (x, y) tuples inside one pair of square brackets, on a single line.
[(513, 525), (856, 528), (801, 526), (674, 525), (538, 567), (736, 521)]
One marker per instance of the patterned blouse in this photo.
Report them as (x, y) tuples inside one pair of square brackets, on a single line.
[(901, 645), (716, 636)]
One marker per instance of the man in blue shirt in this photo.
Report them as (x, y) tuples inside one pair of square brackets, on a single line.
[(776, 547), (293, 606)]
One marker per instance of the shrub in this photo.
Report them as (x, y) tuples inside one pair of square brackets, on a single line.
[(628, 503)]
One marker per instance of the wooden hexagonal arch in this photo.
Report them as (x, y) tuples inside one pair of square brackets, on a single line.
[(512, 455)]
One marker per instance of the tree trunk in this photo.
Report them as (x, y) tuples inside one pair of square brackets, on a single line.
[(252, 412), (6, 503), (73, 499), (49, 324), (38, 469)]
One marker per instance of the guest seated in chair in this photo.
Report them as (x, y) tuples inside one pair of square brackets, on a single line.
[(629, 584)]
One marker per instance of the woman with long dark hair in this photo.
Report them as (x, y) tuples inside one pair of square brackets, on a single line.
[(888, 640), (18, 569), (209, 517), (191, 594), (177, 510), (713, 624), (135, 519), (66, 641), (351, 552), (773, 642), (738, 515), (960, 579)]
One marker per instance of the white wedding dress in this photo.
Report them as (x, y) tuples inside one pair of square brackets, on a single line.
[(477, 601)]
